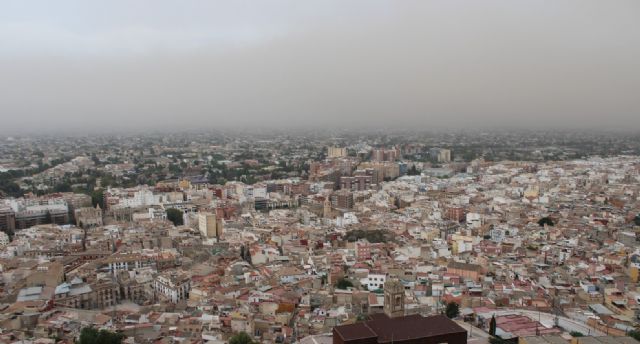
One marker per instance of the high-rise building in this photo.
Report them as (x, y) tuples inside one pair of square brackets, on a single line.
[(440, 155), (29, 213), (356, 183), (379, 171), (342, 199), (210, 225), (336, 152), (377, 155), (363, 250), (382, 154), (444, 155), (456, 214), (7, 219)]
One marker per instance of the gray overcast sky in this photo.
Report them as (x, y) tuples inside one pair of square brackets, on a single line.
[(417, 64)]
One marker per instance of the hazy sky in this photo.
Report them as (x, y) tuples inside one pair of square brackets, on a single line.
[(419, 64)]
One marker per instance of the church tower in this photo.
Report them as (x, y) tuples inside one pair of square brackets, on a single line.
[(393, 298), (327, 208)]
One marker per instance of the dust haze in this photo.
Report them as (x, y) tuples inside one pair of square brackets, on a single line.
[(73, 65)]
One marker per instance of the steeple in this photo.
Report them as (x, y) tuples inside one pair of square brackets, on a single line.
[(393, 298), (327, 208)]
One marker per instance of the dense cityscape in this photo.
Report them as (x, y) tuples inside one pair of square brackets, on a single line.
[(319, 172), (339, 237)]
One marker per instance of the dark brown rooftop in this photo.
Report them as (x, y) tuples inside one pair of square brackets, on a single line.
[(400, 329), (412, 327), (354, 331)]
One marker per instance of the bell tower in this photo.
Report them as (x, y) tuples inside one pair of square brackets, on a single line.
[(393, 298), (327, 208)]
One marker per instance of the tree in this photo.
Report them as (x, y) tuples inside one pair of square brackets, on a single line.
[(241, 338), (492, 325), (245, 254), (8, 187), (175, 215), (97, 198), (453, 310), (9, 233), (85, 233), (62, 187), (545, 221), (90, 335), (634, 334), (373, 236), (576, 334), (48, 218), (107, 180), (637, 220), (344, 283)]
